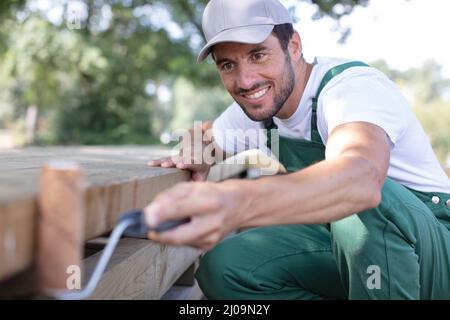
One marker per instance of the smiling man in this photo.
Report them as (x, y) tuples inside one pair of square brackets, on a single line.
[(265, 89), (364, 212)]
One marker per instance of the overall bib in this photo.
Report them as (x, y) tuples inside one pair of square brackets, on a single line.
[(398, 250)]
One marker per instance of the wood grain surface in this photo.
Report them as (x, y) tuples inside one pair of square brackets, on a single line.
[(117, 180)]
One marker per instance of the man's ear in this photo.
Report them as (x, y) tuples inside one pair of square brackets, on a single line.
[(295, 46)]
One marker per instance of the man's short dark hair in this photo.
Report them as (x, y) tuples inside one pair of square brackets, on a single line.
[(284, 33)]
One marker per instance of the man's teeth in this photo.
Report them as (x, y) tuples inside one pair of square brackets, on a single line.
[(258, 94)]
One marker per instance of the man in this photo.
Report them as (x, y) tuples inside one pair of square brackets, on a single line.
[(365, 210)]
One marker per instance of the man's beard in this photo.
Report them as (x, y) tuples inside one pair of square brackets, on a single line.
[(287, 87)]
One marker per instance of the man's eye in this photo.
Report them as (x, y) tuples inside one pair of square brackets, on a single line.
[(258, 56), (227, 66)]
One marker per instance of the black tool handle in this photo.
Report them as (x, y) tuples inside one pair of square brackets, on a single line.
[(139, 228), (170, 225)]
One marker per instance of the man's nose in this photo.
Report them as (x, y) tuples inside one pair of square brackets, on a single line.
[(246, 78)]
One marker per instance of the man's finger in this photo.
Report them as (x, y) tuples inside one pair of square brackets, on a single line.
[(167, 162), (199, 176), (193, 167), (158, 162), (167, 208), (165, 199), (191, 233)]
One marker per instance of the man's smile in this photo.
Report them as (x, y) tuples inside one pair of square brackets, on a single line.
[(256, 96)]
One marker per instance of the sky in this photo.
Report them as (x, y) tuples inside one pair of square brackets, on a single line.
[(403, 33)]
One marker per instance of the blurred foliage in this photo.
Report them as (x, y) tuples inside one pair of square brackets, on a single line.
[(424, 84), (429, 94), (191, 104), (435, 119), (9, 7), (336, 8), (125, 71), (86, 65)]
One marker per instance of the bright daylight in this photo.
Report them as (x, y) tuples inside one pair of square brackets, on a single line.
[(240, 151)]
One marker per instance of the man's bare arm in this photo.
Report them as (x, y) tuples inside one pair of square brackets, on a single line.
[(347, 182)]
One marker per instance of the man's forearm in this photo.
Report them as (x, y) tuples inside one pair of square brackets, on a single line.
[(327, 191)]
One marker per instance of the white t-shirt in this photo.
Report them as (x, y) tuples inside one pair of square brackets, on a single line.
[(357, 94)]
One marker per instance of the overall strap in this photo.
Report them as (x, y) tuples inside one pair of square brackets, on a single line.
[(315, 136), (271, 127)]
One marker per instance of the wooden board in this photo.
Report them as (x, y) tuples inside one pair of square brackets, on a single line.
[(140, 269), (117, 180), (178, 292), (17, 232)]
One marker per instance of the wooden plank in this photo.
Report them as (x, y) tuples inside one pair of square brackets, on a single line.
[(188, 277), (179, 292), (140, 269), (20, 169), (105, 204), (186, 287), (61, 223), (23, 285), (117, 180), (17, 232)]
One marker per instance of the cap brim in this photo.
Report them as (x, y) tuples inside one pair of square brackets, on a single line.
[(248, 34)]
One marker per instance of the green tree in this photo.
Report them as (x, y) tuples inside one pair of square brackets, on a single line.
[(191, 103), (89, 83)]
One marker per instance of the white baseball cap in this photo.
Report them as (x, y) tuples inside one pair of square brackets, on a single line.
[(242, 21)]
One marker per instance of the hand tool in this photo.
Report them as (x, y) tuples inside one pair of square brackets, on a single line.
[(131, 224)]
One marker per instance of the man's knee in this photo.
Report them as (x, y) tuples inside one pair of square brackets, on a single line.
[(357, 232), (215, 275), (396, 218)]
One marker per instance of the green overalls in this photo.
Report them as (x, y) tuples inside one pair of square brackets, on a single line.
[(398, 250)]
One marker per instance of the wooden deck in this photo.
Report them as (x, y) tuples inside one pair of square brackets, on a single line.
[(117, 180)]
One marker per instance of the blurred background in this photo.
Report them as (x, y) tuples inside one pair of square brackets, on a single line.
[(90, 72)]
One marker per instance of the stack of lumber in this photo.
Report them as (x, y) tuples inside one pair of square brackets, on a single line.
[(117, 180)]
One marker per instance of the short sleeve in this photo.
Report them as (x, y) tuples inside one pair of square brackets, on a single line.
[(371, 98)]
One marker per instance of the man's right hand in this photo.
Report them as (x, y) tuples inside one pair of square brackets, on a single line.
[(188, 159)]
